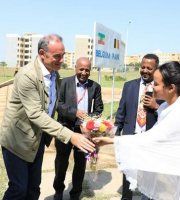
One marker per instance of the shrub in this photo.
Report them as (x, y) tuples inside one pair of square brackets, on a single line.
[(117, 78)]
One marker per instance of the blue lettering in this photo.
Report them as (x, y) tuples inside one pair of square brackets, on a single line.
[(96, 53), (102, 54), (115, 56)]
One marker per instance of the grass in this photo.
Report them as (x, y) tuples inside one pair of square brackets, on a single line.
[(107, 109), (3, 176), (9, 74)]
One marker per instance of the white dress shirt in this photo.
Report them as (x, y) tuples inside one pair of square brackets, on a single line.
[(50, 82), (81, 97)]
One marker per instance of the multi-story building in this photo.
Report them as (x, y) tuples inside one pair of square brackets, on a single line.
[(167, 57), (21, 49), (69, 59), (84, 48), (163, 58), (132, 59)]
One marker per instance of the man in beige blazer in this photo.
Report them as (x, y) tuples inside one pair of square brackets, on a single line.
[(27, 124)]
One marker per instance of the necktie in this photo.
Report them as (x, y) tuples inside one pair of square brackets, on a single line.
[(141, 116)]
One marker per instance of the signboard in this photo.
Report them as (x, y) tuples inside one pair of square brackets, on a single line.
[(106, 52)]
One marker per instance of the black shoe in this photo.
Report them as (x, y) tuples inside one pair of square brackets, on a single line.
[(74, 198), (58, 196)]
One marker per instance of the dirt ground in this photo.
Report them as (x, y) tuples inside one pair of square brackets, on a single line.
[(107, 94)]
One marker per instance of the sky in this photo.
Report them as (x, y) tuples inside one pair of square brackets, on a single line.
[(155, 24)]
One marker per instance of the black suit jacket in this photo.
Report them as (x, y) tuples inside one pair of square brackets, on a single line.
[(127, 111), (67, 106)]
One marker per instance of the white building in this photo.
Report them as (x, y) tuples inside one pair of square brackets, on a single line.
[(69, 59), (163, 57), (83, 47), (21, 49)]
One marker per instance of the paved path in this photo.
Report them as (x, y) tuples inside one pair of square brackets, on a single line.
[(109, 179)]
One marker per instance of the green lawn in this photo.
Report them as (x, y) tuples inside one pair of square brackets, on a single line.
[(9, 72)]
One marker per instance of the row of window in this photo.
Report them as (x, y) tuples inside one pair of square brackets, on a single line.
[(24, 40), (25, 57), (26, 46), (23, 51), (90, 53), (90, 40)]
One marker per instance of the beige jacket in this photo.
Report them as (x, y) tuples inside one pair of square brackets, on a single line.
[(26, 115)]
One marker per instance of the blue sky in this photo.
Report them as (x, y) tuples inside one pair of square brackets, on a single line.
[(154, 24)]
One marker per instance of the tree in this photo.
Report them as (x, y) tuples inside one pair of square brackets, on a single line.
[(3, 65), (64, 66), (137, 66)]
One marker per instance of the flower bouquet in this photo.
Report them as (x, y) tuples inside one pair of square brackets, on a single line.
[(96, 127)]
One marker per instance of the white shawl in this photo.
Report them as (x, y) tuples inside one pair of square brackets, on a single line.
[(151, 160)]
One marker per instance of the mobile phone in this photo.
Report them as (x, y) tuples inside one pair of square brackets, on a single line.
[(149, 94)]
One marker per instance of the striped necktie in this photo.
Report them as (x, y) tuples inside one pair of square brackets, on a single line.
[(142, 112)]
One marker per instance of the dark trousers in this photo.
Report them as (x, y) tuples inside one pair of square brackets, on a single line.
[(61, 164), (24, 177), (127, 193)]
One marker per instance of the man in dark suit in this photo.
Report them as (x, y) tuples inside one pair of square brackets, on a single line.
[(127, 113), (78, 96)]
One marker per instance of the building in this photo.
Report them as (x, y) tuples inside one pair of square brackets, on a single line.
[(167, 57), (163, 58), (132, 59), (84, 48), (21, 49), (69, 59)]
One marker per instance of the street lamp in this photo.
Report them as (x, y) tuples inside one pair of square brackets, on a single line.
[(126, 49)]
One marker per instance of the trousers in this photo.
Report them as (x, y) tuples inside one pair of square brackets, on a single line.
[(24, 177), (61, 164), (127, 194)]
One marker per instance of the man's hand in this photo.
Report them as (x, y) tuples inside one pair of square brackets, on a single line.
[(80, 114), (150, 102), (81, 142)]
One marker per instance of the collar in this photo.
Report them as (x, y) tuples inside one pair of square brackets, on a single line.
[(80, 84), (45, 72), (142, 82)]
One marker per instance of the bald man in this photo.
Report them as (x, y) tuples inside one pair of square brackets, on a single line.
[(78, 96)]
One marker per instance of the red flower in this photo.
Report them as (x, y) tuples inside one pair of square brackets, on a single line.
[(109, 126), (90, 125)]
